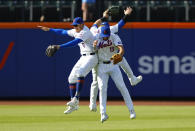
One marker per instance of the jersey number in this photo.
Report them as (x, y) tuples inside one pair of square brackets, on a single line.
[(111, 49)]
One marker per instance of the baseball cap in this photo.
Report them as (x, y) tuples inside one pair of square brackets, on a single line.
[(77, 21), (105, 24), (104, 31)]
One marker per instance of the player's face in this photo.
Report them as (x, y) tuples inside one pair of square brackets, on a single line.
[(78, 28)]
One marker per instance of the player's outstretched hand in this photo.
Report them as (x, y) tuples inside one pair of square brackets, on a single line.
[(44, 28), (128, 11)]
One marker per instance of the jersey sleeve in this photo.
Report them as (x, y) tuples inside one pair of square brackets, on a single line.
[(114, 29), (71, 32), (117, 40), (71, 43), (59, 31), (94, 30)]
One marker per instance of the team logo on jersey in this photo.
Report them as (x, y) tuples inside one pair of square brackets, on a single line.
[(103, 44)]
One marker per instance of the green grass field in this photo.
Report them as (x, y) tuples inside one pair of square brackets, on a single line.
[(51, 118)]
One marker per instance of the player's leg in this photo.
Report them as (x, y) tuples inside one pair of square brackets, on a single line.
[(102, 85), (93, 90), (88, 62), (116, 75), (72, 79), (127, 69)]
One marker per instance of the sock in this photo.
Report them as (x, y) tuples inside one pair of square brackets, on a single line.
[(72, 88), (79, 86)]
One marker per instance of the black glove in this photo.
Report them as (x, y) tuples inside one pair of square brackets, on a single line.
[(114, 10), (51, 50)]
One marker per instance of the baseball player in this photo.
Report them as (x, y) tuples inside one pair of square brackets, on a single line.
[(123, 64), (88, 60), (107, 45)]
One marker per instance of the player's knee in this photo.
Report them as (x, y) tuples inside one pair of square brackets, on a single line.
[(72, 79), (80, 74)]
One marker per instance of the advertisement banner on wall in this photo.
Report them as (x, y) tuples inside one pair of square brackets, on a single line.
[(164, 57)]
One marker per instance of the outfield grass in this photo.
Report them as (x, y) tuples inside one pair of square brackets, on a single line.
[(51, 118)]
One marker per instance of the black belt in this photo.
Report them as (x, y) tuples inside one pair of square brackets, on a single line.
[(106, 62), (89, 54)]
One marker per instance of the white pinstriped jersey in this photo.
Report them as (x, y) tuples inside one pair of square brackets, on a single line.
[(87, 45), (107, 48)]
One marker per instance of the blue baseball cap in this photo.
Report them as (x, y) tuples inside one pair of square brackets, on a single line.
[(105, 24), (104, 31), (77, 21)]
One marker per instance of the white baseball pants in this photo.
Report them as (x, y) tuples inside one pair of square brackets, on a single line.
[(94, 86), (104, 71), (83, 66)]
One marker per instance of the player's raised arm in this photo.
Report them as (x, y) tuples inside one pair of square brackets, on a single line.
[(121, 23), (94, 28), (127, 13), (104, 18)]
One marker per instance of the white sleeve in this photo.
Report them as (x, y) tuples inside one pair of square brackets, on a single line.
[(114, 29), (117, 40), (94, 30), (71, 32)]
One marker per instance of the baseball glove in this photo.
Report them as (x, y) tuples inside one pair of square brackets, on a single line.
[(116, 58), (114, 10), (51, 50)]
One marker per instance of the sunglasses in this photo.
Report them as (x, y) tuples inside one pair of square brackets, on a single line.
[(75, 25)]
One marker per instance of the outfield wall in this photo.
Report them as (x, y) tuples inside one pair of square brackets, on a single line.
[(164, 53)]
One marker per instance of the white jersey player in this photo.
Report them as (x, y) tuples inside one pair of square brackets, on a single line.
[(107, 45), (88, 60), (123, 64)]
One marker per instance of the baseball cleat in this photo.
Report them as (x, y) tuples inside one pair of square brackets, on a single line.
[(93, 108), (135, 80), (71, 109), (73, 102), (104, 117), (132, 115)]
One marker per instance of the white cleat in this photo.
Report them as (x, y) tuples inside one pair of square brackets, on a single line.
[(71, 109), (73, 102), (104, 117), (132, 115), (93, 108), (135, 80)]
